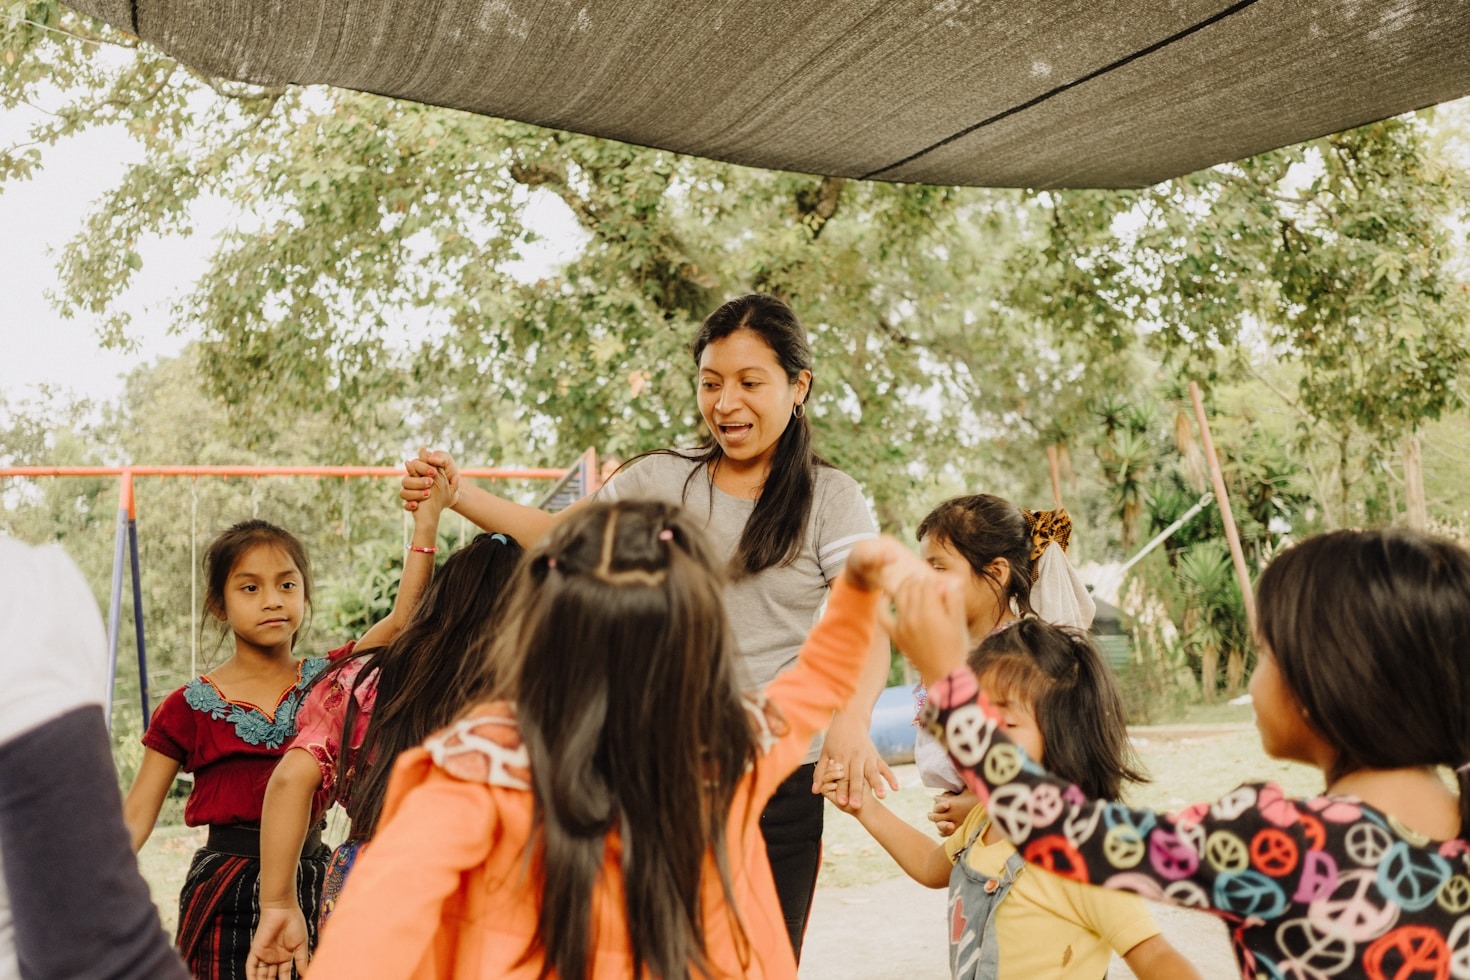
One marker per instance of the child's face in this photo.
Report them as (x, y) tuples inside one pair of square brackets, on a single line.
[(264, 598), (982, 599), (1285, 731), (1018, 721)]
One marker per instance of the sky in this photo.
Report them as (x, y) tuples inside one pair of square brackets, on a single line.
[(37, 217)]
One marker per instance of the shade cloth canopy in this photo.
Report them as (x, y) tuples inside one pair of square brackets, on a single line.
[(1004, 93)]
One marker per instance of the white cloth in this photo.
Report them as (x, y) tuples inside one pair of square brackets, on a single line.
[(53, 659), (1058, 595)]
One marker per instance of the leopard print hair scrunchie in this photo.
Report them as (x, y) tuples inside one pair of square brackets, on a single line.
[(1047, 526)]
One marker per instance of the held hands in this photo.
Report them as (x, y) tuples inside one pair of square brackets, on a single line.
[(881, 563), (832, 777), (950, 810), (279, 944), (418, 485), (928, 624)]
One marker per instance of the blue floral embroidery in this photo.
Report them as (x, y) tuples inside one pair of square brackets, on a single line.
[(251, 725)]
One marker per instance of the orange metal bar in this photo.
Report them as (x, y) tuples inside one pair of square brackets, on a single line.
[(380, 472)]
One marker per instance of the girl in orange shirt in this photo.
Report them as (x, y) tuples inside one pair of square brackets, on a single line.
[(600, 816)]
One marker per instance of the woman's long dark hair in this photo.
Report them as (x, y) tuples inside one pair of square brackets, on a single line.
[(429, 673), (777, 526), (1371, 632), (1060, 676), (623, 669)]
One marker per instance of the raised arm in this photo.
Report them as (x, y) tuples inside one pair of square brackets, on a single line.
[(489, 512), (418, 561)]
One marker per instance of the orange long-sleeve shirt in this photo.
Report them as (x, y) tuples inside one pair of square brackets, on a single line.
[(445, 890)]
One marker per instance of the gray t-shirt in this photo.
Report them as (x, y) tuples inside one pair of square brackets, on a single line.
[(771, 613)]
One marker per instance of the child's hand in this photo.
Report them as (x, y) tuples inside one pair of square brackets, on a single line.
[(832, 777), (440, 496), (950, 810), (419, 482), (880, 563), (928, 623)]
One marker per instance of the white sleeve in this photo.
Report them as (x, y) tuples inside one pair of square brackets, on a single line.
[(53, 650)]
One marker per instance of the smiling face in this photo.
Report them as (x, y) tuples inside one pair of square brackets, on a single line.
[(264, 599), (746, 398)]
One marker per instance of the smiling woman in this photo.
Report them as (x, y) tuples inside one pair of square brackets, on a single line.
[(782, 519)]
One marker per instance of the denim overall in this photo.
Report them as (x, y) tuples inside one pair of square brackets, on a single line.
[(974, 952)]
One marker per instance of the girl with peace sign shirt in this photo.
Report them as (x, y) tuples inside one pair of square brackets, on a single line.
[(1363, 672)]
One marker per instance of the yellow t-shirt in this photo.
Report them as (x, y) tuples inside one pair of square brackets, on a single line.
[(1049, 926)]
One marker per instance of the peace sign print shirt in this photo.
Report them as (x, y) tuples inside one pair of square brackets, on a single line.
[(1320, 887)]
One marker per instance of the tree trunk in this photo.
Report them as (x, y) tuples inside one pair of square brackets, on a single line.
[(1234, 673), (1417, 513), (1209, 670)]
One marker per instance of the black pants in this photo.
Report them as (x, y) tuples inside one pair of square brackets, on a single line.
[(792, 826)]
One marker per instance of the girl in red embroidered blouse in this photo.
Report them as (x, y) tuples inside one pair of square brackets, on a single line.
[(229, 727), (370, 706)]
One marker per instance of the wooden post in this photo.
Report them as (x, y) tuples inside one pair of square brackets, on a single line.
[(1418, 510), (1056, 477), (1232, 536)]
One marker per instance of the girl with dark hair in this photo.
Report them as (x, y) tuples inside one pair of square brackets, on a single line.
[(366, 708), (1059, 703), (231, 725), (782, 521), (1363, 672), (995, 553), (599, 817)]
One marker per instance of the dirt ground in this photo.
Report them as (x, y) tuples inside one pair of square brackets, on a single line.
[(894, 930), (871, 922)]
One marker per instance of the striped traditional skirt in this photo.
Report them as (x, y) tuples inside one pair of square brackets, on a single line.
[(219, 906)]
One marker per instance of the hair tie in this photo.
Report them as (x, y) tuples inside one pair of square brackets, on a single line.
[(1463, 770), (497, 536), (667, 534), (550, 561), (1047, 527)]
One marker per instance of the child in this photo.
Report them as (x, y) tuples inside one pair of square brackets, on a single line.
[(376, 703), (1006, 562), (229, 727), (602, 817), (1060, 704), (1363, 672)]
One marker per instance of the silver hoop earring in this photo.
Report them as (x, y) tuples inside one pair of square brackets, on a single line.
[(799, 411)]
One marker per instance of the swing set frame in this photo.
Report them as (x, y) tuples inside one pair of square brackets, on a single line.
[(125, 549)]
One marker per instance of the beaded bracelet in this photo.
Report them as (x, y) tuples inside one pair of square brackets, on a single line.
[(431, 550)]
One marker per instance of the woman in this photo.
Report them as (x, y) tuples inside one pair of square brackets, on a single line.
[(783, 519)]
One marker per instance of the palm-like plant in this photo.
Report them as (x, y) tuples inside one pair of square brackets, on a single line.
[(1214, 623)]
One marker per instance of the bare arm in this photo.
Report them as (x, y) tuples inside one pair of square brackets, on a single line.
[(418, 566), (528, 525), (1156, 959), (915, 851), (848, 739), (280, 936), (150, 787)]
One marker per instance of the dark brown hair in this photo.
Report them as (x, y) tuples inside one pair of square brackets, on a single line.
[(231, 544), (434, 669), (1371, 632), (620, 660), (1059, 675)]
